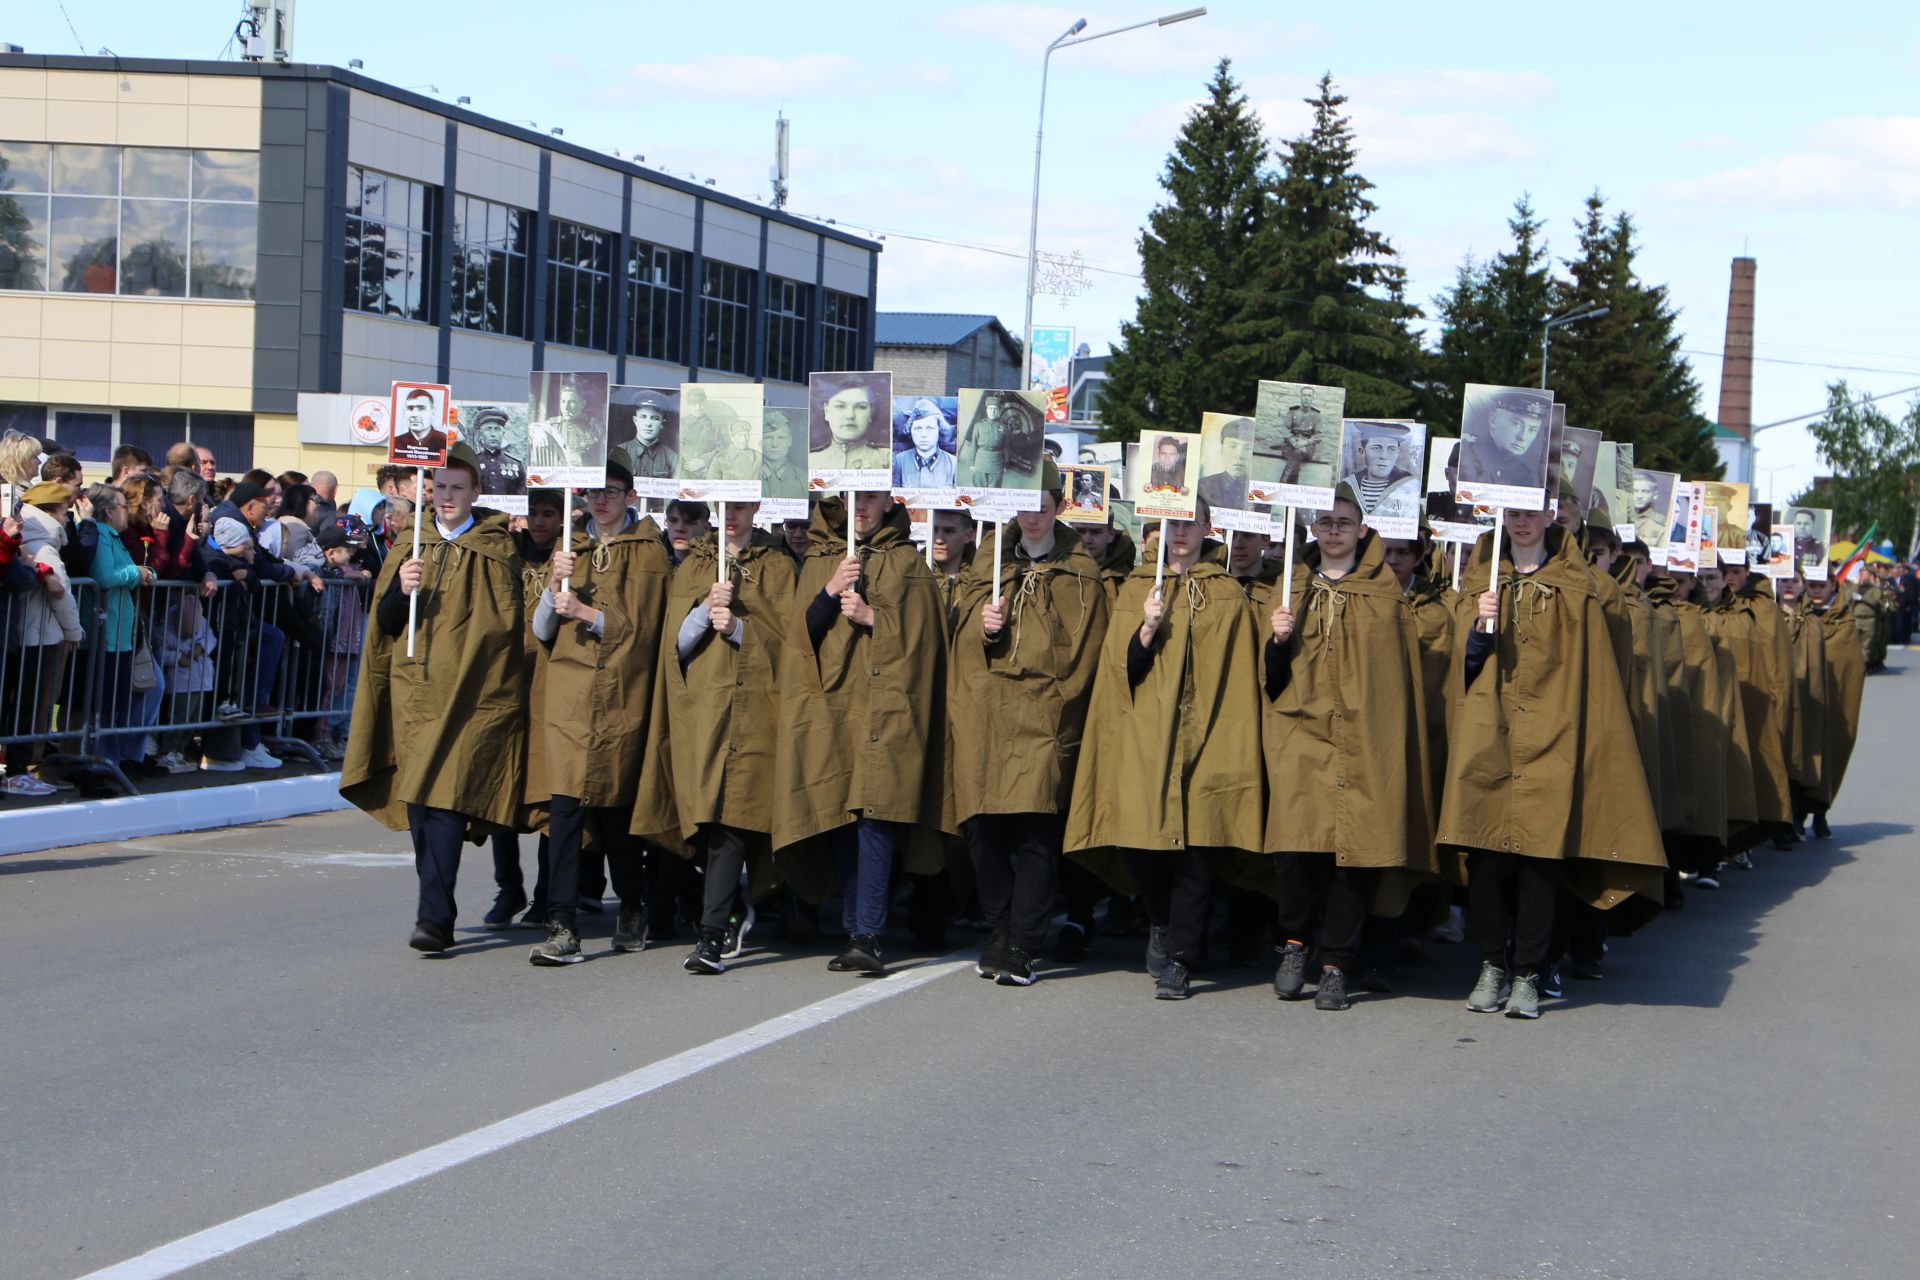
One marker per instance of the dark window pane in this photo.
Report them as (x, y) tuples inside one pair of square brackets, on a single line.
[(156, 172), (87, 436), (225, 248), (86, 171), (226, 175), (229, 435), (155, 430), (85, 243), (27, 419), (23, 166), (23, 242), (153, 248)]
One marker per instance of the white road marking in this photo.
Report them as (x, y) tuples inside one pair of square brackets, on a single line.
[(228, 1237)]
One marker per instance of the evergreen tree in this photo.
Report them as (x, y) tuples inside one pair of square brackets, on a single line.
[(1327, 303), (1490, 321), (1173, 362), (1622, 374)]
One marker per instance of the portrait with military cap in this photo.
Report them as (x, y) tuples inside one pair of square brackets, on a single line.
[(497, 433), (567, 429), (1503, 446), (643, 431), (1384, 466)]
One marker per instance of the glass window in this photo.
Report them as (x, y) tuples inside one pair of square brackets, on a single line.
[(153, 248), (785, 332), (390, 249), (843, 324), (226, 175), (656, 302), (87, 436), (580, 285), (154, 172), (726, 317), (27, 419), (155, 430), (23, 242), (489, 267), (229, 435), (85, 244), (225, 248), (24, 166), (86, 171)]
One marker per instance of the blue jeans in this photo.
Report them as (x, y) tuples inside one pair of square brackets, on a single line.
[(863, 861), (273, 641)]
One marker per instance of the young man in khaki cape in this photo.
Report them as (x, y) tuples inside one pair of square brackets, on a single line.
[(1020, 678), (1169, 774), (438, 743), (726, 642), (861, 752), (1344, 736), (1542, 774), (599, 619), (1835, 604), (1807, 698), (1750, 620)]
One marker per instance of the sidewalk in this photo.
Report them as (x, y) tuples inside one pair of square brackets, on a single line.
[(180, 802)]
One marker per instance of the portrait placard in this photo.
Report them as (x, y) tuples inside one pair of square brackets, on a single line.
[(1385, 464), (643, 431), (418, 414), (783, 463), (1579, 463), (1084, 494), (999, 450), (1556, 436), (1296, 446), (1504, 438), (1812, 540), (848, 424), (1226, 472), (720, 425), (1652, 510), (1622, 497), (1163, 481), (1728, 506), (567, 430), (1780, 552), (1683, 535), (498, 435), (926, 441), (1759, 535), (1450, 519)]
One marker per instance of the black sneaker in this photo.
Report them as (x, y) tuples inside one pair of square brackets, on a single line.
[(707, 956), (993, 955), (507, 904), (1292, 974), (561, 947), (734, 941), (630, 929), (1016, 968), (1331, 991), (1551, 987), (1172, 984), (1586, 970), (430, 935), (1821, 831), (1157, 953), (1072, 943), (535, 917), (862, 956), (1373, 982)]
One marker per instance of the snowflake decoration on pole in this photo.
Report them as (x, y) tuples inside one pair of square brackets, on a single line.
[(1062, 277)]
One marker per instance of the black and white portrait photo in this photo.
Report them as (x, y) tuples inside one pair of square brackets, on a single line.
[(567, 429), (419, 418), (850, 421), (1503, 446), (1385, 468), (1296, 447), (643, 427)]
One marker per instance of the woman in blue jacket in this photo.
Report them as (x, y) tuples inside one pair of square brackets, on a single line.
[(116, 576)]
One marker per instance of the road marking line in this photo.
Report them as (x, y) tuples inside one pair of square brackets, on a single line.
[(227, 1237)]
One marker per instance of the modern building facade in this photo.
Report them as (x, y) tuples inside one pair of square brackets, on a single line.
[(237, 252)]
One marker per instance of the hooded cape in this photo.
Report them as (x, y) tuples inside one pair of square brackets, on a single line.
[(1118, 562), (1711, 702), (534, 573), (1677, 796), (1645, 685), (1807, 644), (1017, 705), (1542, 760), (1846, 682), (446, 728), (1754, 633)]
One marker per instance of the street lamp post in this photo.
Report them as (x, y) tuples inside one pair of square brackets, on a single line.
[(1066, 39), (1546, 333)]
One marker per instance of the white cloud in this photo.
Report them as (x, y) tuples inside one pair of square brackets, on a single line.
[(1848, 162), (1452, 87), (734, 77)]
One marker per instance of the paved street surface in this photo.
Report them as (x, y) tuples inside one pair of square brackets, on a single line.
[(201, 1026)]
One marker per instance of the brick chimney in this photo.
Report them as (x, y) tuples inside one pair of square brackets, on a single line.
[(1736, 368)]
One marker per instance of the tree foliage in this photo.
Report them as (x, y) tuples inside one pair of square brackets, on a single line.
[(1876, 467)]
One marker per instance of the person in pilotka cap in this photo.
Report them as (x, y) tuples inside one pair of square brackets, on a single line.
[(1019, 682), (439, 738)]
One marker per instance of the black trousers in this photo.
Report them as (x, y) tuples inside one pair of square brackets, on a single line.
[(1529, 924), (1299, 877), (1082, 889), (566, 825), (1015, 862), (1579, 930), (506, 862), (437, 837), (1176, 889), (726, 859)]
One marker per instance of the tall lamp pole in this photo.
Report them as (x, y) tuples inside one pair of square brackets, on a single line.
[(1546, 333), (1066, 39)]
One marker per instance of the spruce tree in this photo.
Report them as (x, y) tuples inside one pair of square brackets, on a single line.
[(1622, 374), (1490, 321), (1172, 362), (1327, 303)]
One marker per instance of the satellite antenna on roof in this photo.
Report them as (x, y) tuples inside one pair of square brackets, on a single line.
[(779, 171)]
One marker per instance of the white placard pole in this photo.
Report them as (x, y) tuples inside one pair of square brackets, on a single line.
[(1286, 561), (419, 511), (1493, 574), (1160, 557), (723, 541), (1456, 566), (850, 548), (999, 533)]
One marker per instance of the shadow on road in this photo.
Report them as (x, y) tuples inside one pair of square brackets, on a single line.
[(27, 866)]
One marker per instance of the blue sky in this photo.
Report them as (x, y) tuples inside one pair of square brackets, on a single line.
[(1788, 133)]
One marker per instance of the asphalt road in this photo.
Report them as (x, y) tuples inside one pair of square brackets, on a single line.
[(201, 1026)]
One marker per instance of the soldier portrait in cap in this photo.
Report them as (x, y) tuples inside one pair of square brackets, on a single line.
[(1085, 487), (567, 429), (1653, 506), (1503, 446), (1296, 445), (643, 431), (783, 455), (1226, 460), (925, 438), (1162, 485), (1579, 464), (849, 422), (419, 418), (727, 467), (497, 434), (1385, 469), (1812, 536), (999, 448)]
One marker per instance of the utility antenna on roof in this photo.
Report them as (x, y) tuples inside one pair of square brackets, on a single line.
[(779, 170), (266, 30)]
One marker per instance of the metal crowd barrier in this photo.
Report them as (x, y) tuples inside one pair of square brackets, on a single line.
[(275, 663)]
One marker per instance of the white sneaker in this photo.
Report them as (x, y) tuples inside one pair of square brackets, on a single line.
[(25, 784), (257, 757), (221, 766), (174, 762)]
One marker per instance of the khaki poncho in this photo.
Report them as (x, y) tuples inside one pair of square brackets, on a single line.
[(1754, 634), (1542, 761), (1807, 747), (1016, 707), (1846, 682), (446, 728)]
